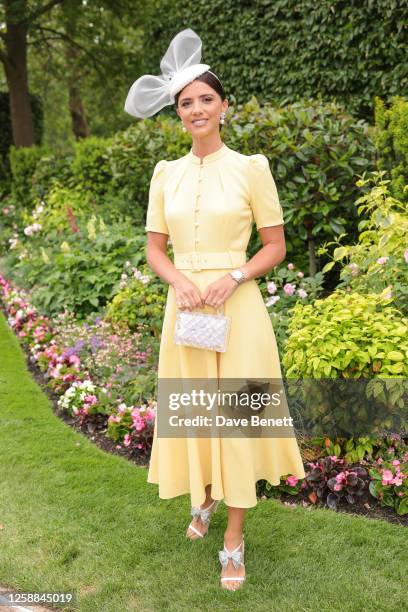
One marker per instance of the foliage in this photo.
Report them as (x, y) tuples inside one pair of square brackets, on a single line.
[(284, 50), (23, 162), (380, 258), (329, 482), (140, 302), (133, 426), (391, 139), (6, 137), (286, 286), (347, 335), (77, 270), (316, 152)]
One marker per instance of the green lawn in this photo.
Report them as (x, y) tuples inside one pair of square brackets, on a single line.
[(76, 518)]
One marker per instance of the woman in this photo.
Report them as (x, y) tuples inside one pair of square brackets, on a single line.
[(206, 202)]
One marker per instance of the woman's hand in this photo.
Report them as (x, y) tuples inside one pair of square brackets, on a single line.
[(188, 295), (217, 292)]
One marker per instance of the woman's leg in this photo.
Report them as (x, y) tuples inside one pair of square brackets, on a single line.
[(197, 522), (232, 539)]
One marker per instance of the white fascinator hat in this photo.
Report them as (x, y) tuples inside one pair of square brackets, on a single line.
[(180, 65)]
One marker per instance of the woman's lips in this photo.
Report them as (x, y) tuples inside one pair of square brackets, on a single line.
[(200, 122)]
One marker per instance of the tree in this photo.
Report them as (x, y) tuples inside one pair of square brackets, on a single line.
[(18, 18)]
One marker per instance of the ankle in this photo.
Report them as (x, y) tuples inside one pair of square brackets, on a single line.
[(232, 539), (209, 500)]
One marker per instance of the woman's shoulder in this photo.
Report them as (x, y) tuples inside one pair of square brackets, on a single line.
[(255, 162), (167, 165)]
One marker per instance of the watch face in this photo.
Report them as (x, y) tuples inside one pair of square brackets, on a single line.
[(237, 274)]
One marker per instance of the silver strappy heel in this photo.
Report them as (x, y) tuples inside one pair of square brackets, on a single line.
[(204, 514), (237, 558)]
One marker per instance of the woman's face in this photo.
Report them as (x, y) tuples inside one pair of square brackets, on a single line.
[(199, 108)]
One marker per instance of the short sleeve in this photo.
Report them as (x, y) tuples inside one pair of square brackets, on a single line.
[(264, 197), (155, 219)]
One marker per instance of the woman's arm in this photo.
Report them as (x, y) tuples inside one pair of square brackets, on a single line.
[(188, 295), (270, 255)]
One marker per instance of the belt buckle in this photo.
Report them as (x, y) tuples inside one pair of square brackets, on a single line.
[(196, 261)]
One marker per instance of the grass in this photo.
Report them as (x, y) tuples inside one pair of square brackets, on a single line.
[(74, 518)]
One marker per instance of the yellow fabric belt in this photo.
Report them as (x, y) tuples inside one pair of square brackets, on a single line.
[(196, 260)]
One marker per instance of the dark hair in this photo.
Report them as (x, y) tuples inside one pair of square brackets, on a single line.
[(210, 79)]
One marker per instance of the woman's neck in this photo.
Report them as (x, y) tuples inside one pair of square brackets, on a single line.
[(202, 147)]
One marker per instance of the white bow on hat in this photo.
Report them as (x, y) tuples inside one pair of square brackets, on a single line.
[(180, 65)]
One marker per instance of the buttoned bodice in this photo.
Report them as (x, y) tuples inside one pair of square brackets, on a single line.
[(209, 205)]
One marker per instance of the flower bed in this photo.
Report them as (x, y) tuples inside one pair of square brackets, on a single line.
[(104, 383)]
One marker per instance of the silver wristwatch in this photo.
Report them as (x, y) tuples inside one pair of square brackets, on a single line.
[(238, 276)]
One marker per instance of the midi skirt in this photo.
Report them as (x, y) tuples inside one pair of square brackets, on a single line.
[(231, 465)]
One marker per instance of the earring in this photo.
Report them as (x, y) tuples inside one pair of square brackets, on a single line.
[(222, 118), (184, 128)]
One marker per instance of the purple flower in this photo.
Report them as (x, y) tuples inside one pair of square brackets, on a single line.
[(382, 260)]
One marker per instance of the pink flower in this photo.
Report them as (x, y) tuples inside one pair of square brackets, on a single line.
[(127, 439), (379, 460), (300, 274), (139, 424), (397, 481), (338, 487), (302, 293), (68, 377), (291, 266), (387, 477), (122, 408), (150, 415), (406, 255), (271, 287), (90, 399), (74, 360), (341, 477), (114, 419), (292, 480), (382, 260), (289, 289), (395, 462)]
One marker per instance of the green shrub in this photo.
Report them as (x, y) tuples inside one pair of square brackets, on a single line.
[(380, 258), (140, 303), (280, 50), (90, 167), (77, 270), (391, 139), (23, 162), (347, 335)]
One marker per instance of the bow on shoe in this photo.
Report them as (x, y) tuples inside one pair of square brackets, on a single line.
[(201, 513), (235, 556)]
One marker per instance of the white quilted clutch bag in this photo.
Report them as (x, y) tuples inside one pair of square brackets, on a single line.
[(202, 330)]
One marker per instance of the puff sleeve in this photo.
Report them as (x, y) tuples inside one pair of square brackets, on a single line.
[(264, 199), (155, 218)]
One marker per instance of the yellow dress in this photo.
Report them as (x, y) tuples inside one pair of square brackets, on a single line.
[(208, 209)]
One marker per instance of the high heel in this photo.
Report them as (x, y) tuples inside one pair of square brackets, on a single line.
[(204, 514), (237, 558)]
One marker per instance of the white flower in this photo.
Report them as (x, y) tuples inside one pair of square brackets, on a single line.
[(271, 287), (272, 300)]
